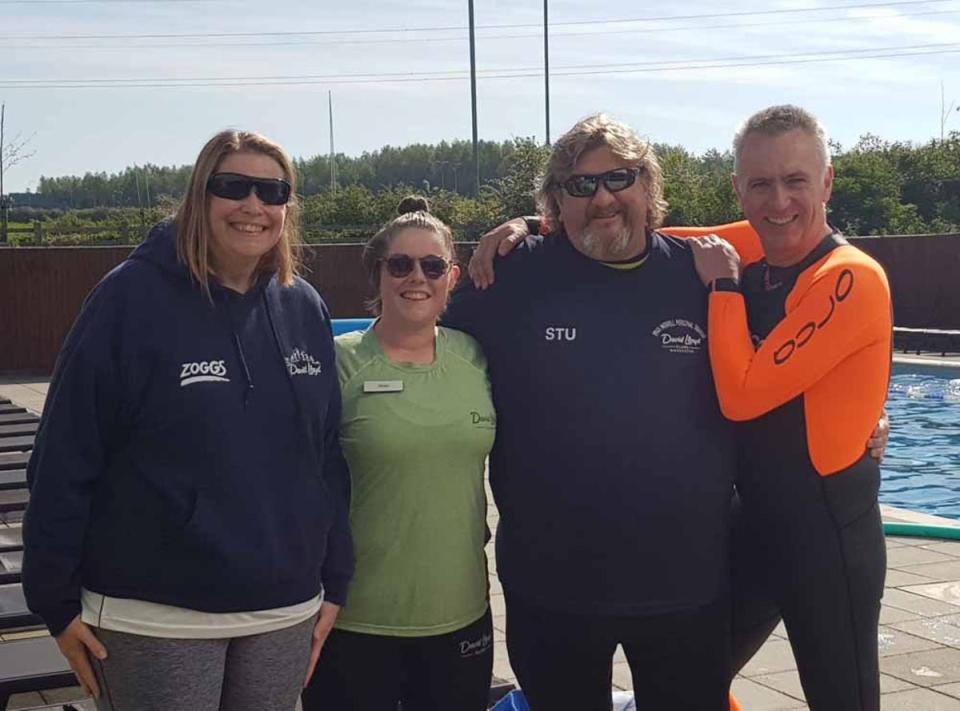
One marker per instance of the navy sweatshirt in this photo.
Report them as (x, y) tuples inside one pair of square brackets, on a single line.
[(188, 451), (613, 466)]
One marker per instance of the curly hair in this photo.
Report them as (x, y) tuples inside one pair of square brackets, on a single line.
[(598, 131)]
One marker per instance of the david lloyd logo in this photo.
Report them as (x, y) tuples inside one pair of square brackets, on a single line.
[(680, 336), (474, 647), (302, 363), (483, 420)]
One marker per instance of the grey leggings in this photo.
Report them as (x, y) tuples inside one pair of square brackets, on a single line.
[(263, 671)]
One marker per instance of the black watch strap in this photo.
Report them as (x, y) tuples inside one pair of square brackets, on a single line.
[(725, 284), (533, 224)]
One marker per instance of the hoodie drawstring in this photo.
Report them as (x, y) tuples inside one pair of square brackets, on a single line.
[(246, 370)]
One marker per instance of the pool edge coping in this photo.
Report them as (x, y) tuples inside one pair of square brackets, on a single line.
[(927, 361), (899, 515)]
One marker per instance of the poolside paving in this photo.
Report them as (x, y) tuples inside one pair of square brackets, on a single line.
[(919, 634)]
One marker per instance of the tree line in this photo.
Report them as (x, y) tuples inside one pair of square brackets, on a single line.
[(881, 187)]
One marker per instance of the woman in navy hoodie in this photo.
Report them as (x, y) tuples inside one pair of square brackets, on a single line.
[(188, 514)]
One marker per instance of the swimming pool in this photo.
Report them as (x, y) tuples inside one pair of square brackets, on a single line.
[(921, 470)]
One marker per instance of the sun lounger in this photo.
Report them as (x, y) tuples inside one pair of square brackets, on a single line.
[(83, 705), (29, 664), (18, 418), (13, 609), (23, 428), (13, 460), (32, 665), (11, 409), (13, 479), (10, 564), (16, 444), (11, 539), (14, 500)]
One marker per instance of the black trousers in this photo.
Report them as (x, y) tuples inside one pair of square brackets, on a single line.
[(368, 672), (678, 660)]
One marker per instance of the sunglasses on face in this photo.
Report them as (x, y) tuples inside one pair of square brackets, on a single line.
[(233, 186), (401, 265), (613, 180)]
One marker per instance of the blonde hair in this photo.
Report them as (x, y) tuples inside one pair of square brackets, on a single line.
[(413, 212), (598, 131), (193, 225)]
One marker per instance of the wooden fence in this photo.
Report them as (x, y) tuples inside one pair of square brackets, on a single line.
[(41, 289)]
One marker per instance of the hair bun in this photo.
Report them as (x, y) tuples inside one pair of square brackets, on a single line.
[(413, 203)]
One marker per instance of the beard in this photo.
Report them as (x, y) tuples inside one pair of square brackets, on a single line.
[(602, 245)]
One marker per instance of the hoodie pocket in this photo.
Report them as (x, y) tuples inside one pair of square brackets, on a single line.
[(274, 533)]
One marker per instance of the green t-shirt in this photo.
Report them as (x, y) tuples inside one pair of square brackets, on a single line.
[(416, 437)]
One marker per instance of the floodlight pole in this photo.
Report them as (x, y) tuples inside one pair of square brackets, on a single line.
[(473, 98), (546, 70), (333, 153)]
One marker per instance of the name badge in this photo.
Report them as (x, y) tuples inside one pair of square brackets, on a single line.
[(382, 386)]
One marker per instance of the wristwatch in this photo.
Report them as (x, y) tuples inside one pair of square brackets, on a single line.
[(725, 284), (537, 224)]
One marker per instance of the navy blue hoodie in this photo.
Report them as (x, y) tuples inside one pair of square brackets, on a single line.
[(188, 451)]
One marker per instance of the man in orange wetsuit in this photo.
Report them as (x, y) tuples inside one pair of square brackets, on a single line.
[(800, 347)]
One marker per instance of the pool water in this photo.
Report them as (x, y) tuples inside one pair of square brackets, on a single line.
[(921, 470)]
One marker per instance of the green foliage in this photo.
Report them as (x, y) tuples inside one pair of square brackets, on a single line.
[(897, 188), (94, 226), (880, 188), (698, 190), (136, 186), (526, 162), (356, 212)]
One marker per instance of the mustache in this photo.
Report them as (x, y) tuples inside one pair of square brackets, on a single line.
[(595, 214)]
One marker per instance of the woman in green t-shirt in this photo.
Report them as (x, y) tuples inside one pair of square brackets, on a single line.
[(417, 424)]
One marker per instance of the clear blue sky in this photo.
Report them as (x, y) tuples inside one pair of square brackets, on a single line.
[(683, 73)]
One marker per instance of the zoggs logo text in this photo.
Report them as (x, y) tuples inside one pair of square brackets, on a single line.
[(841, 290), (208, 371)]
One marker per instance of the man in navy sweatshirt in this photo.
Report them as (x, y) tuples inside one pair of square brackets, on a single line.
[(613, 466)]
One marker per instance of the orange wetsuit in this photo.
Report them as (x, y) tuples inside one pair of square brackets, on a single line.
[(802, 359), (740, 234)]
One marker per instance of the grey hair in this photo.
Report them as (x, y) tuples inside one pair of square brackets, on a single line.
[(775, 121), (598, 131)]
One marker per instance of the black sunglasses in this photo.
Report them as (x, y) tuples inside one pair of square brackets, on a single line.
[(233, 186), (614, 180), (401, 265)]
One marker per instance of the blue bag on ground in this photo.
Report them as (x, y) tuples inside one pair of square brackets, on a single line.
[(516, 701)]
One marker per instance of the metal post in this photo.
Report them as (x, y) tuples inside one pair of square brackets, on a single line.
[(3, 200), (143, 216), (333, 155), (473, 99), (546, 70)]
